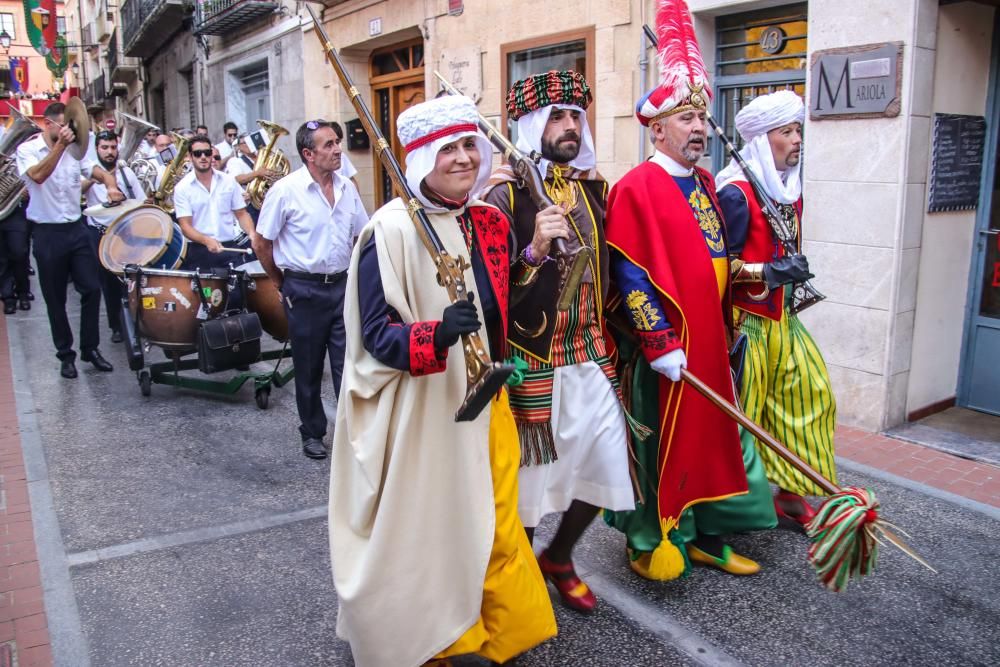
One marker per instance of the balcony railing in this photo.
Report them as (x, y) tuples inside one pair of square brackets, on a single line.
[(95, 93), (221, 17), (120, 67), (148, 24)]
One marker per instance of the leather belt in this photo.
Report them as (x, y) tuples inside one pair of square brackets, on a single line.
[(316, 277)]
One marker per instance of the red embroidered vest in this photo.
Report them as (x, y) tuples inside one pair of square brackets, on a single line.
[(761, 246)]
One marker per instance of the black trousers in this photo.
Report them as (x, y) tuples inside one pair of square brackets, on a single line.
[(62, 251), (112, 287), (15, 243), (316, 332)]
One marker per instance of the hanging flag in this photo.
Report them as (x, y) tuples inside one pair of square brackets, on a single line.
[(37, 19), (19, 75)]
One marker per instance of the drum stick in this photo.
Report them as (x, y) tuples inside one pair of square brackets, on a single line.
[(245, 251)]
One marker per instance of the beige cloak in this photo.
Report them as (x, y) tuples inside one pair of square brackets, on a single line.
[(411, 495)]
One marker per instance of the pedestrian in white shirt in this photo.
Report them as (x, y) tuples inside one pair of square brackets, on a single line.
[(305, 234), (61, 241), (208, 204), (106, 144)]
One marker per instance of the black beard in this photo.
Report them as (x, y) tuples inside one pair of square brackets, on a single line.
[(561, 153), (108, 166)]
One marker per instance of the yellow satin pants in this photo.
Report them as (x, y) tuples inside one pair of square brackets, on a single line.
[(516, 614)]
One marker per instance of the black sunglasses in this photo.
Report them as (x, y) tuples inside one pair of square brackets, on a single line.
[(106, 135), (202, 153)]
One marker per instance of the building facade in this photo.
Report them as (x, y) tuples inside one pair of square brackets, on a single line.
[(910, 323), (36, 77)]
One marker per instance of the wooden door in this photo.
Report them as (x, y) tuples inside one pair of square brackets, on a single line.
[(397, 80)]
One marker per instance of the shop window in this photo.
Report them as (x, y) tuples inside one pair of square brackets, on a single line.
[(568, 50)]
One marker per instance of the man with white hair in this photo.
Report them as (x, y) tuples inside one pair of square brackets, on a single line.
[(572, 427), (785, 384)]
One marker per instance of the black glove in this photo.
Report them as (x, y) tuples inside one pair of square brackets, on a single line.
[(459, 318), (790, 269)]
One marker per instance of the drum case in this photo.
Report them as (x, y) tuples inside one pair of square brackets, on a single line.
[(229, 342)]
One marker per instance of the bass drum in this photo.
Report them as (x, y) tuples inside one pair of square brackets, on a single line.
[(168, 307), (144, 236), (262, 297)]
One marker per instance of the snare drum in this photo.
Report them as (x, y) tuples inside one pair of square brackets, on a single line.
[(262, 297), (145, 236), (166, 304)]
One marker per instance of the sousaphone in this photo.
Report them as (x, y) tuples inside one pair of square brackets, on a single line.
[(78, 120)]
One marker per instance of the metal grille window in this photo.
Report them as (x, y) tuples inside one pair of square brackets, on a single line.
[(255, 85), (756, 53)]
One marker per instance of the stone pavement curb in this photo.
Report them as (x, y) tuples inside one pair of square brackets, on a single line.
[(23, 622), (963, 477)]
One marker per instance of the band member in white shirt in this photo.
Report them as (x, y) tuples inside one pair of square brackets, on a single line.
[(241, 167), (305, 234), (147, 148), (61, 241), (106, 143), (208, 204), (227, 145)]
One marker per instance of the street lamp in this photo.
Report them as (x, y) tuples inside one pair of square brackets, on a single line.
[(5, 41), (76, 69)]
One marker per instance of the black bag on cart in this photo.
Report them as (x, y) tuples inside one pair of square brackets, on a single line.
[(229, 342)]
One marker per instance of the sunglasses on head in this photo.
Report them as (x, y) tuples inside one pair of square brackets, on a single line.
[(202, 153), (314, 125), (107, 135)]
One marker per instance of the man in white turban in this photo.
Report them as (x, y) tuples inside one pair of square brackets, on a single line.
[(785, 386)]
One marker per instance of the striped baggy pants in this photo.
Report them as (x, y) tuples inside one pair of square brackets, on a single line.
[(786, 389)]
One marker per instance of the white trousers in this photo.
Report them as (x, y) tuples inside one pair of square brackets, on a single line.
[(590, 436)]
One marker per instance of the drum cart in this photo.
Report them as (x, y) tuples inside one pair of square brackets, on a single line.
[(144, 303)]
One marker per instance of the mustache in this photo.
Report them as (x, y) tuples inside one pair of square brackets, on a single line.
[(569, 136)]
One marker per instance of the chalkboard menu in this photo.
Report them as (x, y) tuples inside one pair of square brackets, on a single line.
[(957, 162)]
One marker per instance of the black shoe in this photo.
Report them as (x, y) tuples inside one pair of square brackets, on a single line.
[(31, 270), (116, 336), (68, 369), (29, 296), (9, 307), (100, 363), (313, 448), (24, 304)]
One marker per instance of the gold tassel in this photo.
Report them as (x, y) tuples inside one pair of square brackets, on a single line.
[(666, 562)]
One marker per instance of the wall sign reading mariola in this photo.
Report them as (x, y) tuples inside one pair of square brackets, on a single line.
[(856, 81)]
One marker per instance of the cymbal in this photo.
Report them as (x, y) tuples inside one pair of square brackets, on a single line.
[(78, 120), (102, 210)]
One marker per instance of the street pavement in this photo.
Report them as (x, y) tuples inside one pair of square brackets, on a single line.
[(186, 529)]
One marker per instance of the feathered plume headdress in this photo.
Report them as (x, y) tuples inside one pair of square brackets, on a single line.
[(683, 78)]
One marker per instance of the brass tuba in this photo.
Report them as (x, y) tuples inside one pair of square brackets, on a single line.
[(11, 185), (270, 158), (174, 172)]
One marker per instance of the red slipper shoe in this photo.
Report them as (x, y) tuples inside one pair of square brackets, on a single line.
[(574, 593), (805, 511)]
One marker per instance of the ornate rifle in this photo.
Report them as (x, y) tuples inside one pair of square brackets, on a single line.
[(484, 377), (572, 264), (803, 294)]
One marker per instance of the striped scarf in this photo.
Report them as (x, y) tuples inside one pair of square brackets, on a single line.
[(577, 339)]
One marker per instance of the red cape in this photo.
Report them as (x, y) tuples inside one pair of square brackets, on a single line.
[(650, 222)]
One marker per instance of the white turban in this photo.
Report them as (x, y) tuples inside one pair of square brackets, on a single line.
[(753, 122), (531, 126), (424, 128)]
